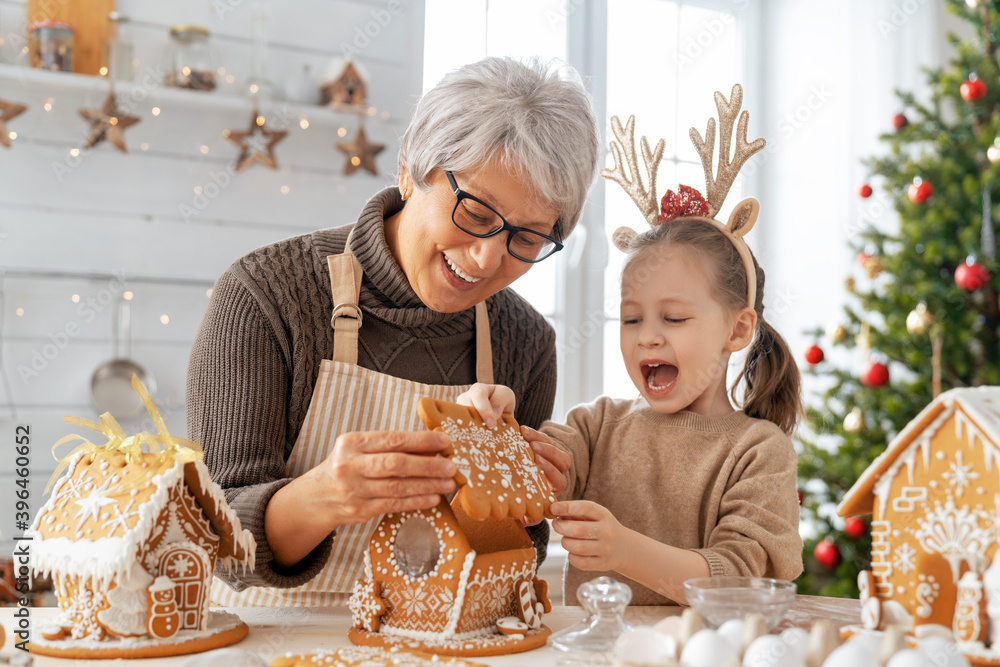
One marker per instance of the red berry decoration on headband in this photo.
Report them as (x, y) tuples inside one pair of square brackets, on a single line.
[(899, 121), (971, 275), (920, 190), (865, 191), (972, 89), (875, 374), (688, 203), (854, 527), (826, 554), (814, 354)]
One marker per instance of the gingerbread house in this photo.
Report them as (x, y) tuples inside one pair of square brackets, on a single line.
[(934, 498), (460, 578), (343, 85), (130, 539)]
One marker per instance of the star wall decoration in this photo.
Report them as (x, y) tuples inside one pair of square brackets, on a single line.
[(360, 153), (256, 144), (108, 124), (8, 111)]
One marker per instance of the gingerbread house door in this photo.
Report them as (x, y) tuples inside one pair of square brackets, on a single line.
[(186, 565)]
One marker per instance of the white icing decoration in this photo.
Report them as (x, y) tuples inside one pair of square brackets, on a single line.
[(960, 475), (904, 558), (954, 533)]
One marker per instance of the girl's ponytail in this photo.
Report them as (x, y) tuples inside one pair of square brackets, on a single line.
[(770, 373)]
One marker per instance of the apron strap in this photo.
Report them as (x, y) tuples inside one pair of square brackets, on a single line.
[(484, 350), (345, 282)]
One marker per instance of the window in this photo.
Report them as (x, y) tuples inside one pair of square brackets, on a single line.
[(660, 60)]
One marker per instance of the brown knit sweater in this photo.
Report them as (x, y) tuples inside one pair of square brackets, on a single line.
[(724, 487), (258, 352)]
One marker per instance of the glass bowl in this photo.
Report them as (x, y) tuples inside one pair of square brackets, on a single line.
[(719, 599)]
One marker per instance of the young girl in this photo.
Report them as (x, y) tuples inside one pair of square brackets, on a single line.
[(676, 483)]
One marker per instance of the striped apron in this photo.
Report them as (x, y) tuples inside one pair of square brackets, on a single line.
[(349, 398)]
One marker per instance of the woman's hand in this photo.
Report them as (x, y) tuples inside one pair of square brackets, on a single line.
[(489, 400), (374, 473), (592, 535), (365, 475)]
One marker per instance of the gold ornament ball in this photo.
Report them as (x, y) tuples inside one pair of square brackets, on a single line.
[(874, 266), (849, 284), (993, 152), (837, 332), (919, 319), (854, 422)]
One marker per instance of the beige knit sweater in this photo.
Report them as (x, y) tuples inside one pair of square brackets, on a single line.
[(722, 487), (257, 355)]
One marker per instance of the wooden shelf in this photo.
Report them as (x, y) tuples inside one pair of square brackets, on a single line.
[(40, 81)]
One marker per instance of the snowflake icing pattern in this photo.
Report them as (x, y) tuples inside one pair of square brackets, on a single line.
[(904, 560), (181, 567), (961, 475), (120, 519)]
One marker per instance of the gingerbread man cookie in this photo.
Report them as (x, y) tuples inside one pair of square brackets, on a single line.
[(497, 472)]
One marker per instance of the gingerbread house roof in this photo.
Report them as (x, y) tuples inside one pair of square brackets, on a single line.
[(104, 508), (978, 409)]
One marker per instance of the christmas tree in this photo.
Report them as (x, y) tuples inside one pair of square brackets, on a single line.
[(922, 314)]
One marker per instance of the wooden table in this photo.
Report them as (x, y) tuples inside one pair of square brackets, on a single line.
[(274, 632)]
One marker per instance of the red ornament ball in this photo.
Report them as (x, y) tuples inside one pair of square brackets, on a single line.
[(863, 258), (826, 554), (920, 190), (875, 374), (854, 527), (865, 191), (801, 497), (814, 354), (899, 121), (972, 89), (971, 277)]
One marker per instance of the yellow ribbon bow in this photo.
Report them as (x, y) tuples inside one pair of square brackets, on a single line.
[(167, 446)]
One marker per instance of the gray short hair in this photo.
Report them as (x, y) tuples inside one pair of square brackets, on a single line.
[(536, 120)]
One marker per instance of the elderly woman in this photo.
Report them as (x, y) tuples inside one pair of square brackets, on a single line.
[(305, 373)]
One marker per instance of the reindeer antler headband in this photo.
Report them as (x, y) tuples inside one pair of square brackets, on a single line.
[(689, 203)]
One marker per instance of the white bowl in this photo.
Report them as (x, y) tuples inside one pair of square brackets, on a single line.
[(719, 599)]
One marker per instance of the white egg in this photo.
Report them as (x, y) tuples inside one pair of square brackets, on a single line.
[(942, 652), (706, 649), (909, 657), (772, 651), (671, 625), (797, 641), (852, 654), (732, 632), (644, 645), (866, 641)]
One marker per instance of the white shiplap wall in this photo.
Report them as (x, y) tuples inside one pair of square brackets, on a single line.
[(79, 225)]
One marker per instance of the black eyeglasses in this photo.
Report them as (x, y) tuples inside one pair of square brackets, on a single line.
[(474, 216)]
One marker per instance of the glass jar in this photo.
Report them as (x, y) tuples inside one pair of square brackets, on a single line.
[(51, 46), (190, 60), (119, 50)]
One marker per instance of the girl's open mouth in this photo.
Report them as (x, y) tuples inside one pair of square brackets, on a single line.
[(660, 377)]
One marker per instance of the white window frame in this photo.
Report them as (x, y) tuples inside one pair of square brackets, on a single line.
[(580, 315)]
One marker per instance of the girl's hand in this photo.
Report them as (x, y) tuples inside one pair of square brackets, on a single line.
[(489, 400), (591, 534), (553, 461)]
